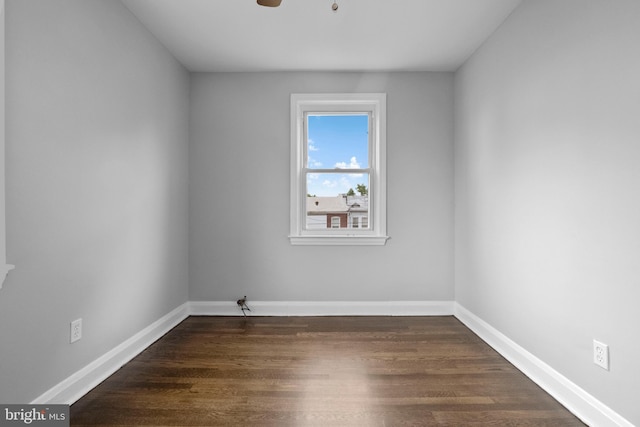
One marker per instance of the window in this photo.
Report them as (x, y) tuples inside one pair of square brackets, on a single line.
[(338, 181)]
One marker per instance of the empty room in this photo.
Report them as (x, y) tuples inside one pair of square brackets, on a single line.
[(319, 212)]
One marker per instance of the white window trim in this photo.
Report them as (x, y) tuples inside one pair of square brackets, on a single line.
[(376, 103), (4, 267)]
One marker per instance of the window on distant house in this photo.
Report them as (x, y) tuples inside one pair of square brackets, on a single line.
[(338, 166)]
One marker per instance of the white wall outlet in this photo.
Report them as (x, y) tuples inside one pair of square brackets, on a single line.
[(601, 354), (76, 330)]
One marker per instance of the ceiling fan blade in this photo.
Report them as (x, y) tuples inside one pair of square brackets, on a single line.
[(269, 3)]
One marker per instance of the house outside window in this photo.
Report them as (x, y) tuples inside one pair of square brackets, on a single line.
[(358, 210), (338, 169)]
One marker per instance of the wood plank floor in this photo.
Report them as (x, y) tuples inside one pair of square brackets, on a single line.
[(319, 371)]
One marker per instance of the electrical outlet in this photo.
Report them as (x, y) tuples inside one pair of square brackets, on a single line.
[(601, 354), (76, 330)]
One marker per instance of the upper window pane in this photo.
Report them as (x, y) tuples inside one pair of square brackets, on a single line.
[(337, 141)]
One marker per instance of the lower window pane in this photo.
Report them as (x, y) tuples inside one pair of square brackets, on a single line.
[(337, 200)]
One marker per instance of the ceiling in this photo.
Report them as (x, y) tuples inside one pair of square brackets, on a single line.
[(304, 35)]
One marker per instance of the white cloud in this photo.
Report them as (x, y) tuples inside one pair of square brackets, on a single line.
[(311, 146), (313, 163), (352, 165), (330, 185), (339, 185)]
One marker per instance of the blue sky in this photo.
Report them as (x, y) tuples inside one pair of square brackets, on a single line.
[(337, 142)]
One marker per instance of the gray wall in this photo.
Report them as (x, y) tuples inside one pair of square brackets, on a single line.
[(547, 188), (97, 181), (2, 137), (105, 199), (239, 192)]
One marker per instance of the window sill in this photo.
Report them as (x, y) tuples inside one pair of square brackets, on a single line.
[(338, 240)]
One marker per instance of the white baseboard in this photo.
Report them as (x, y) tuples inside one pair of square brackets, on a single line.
[(324, 308), (583, 405), (80, 383), (586, 407)]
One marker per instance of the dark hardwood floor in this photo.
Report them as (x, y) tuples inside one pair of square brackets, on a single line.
[(319, 371)]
